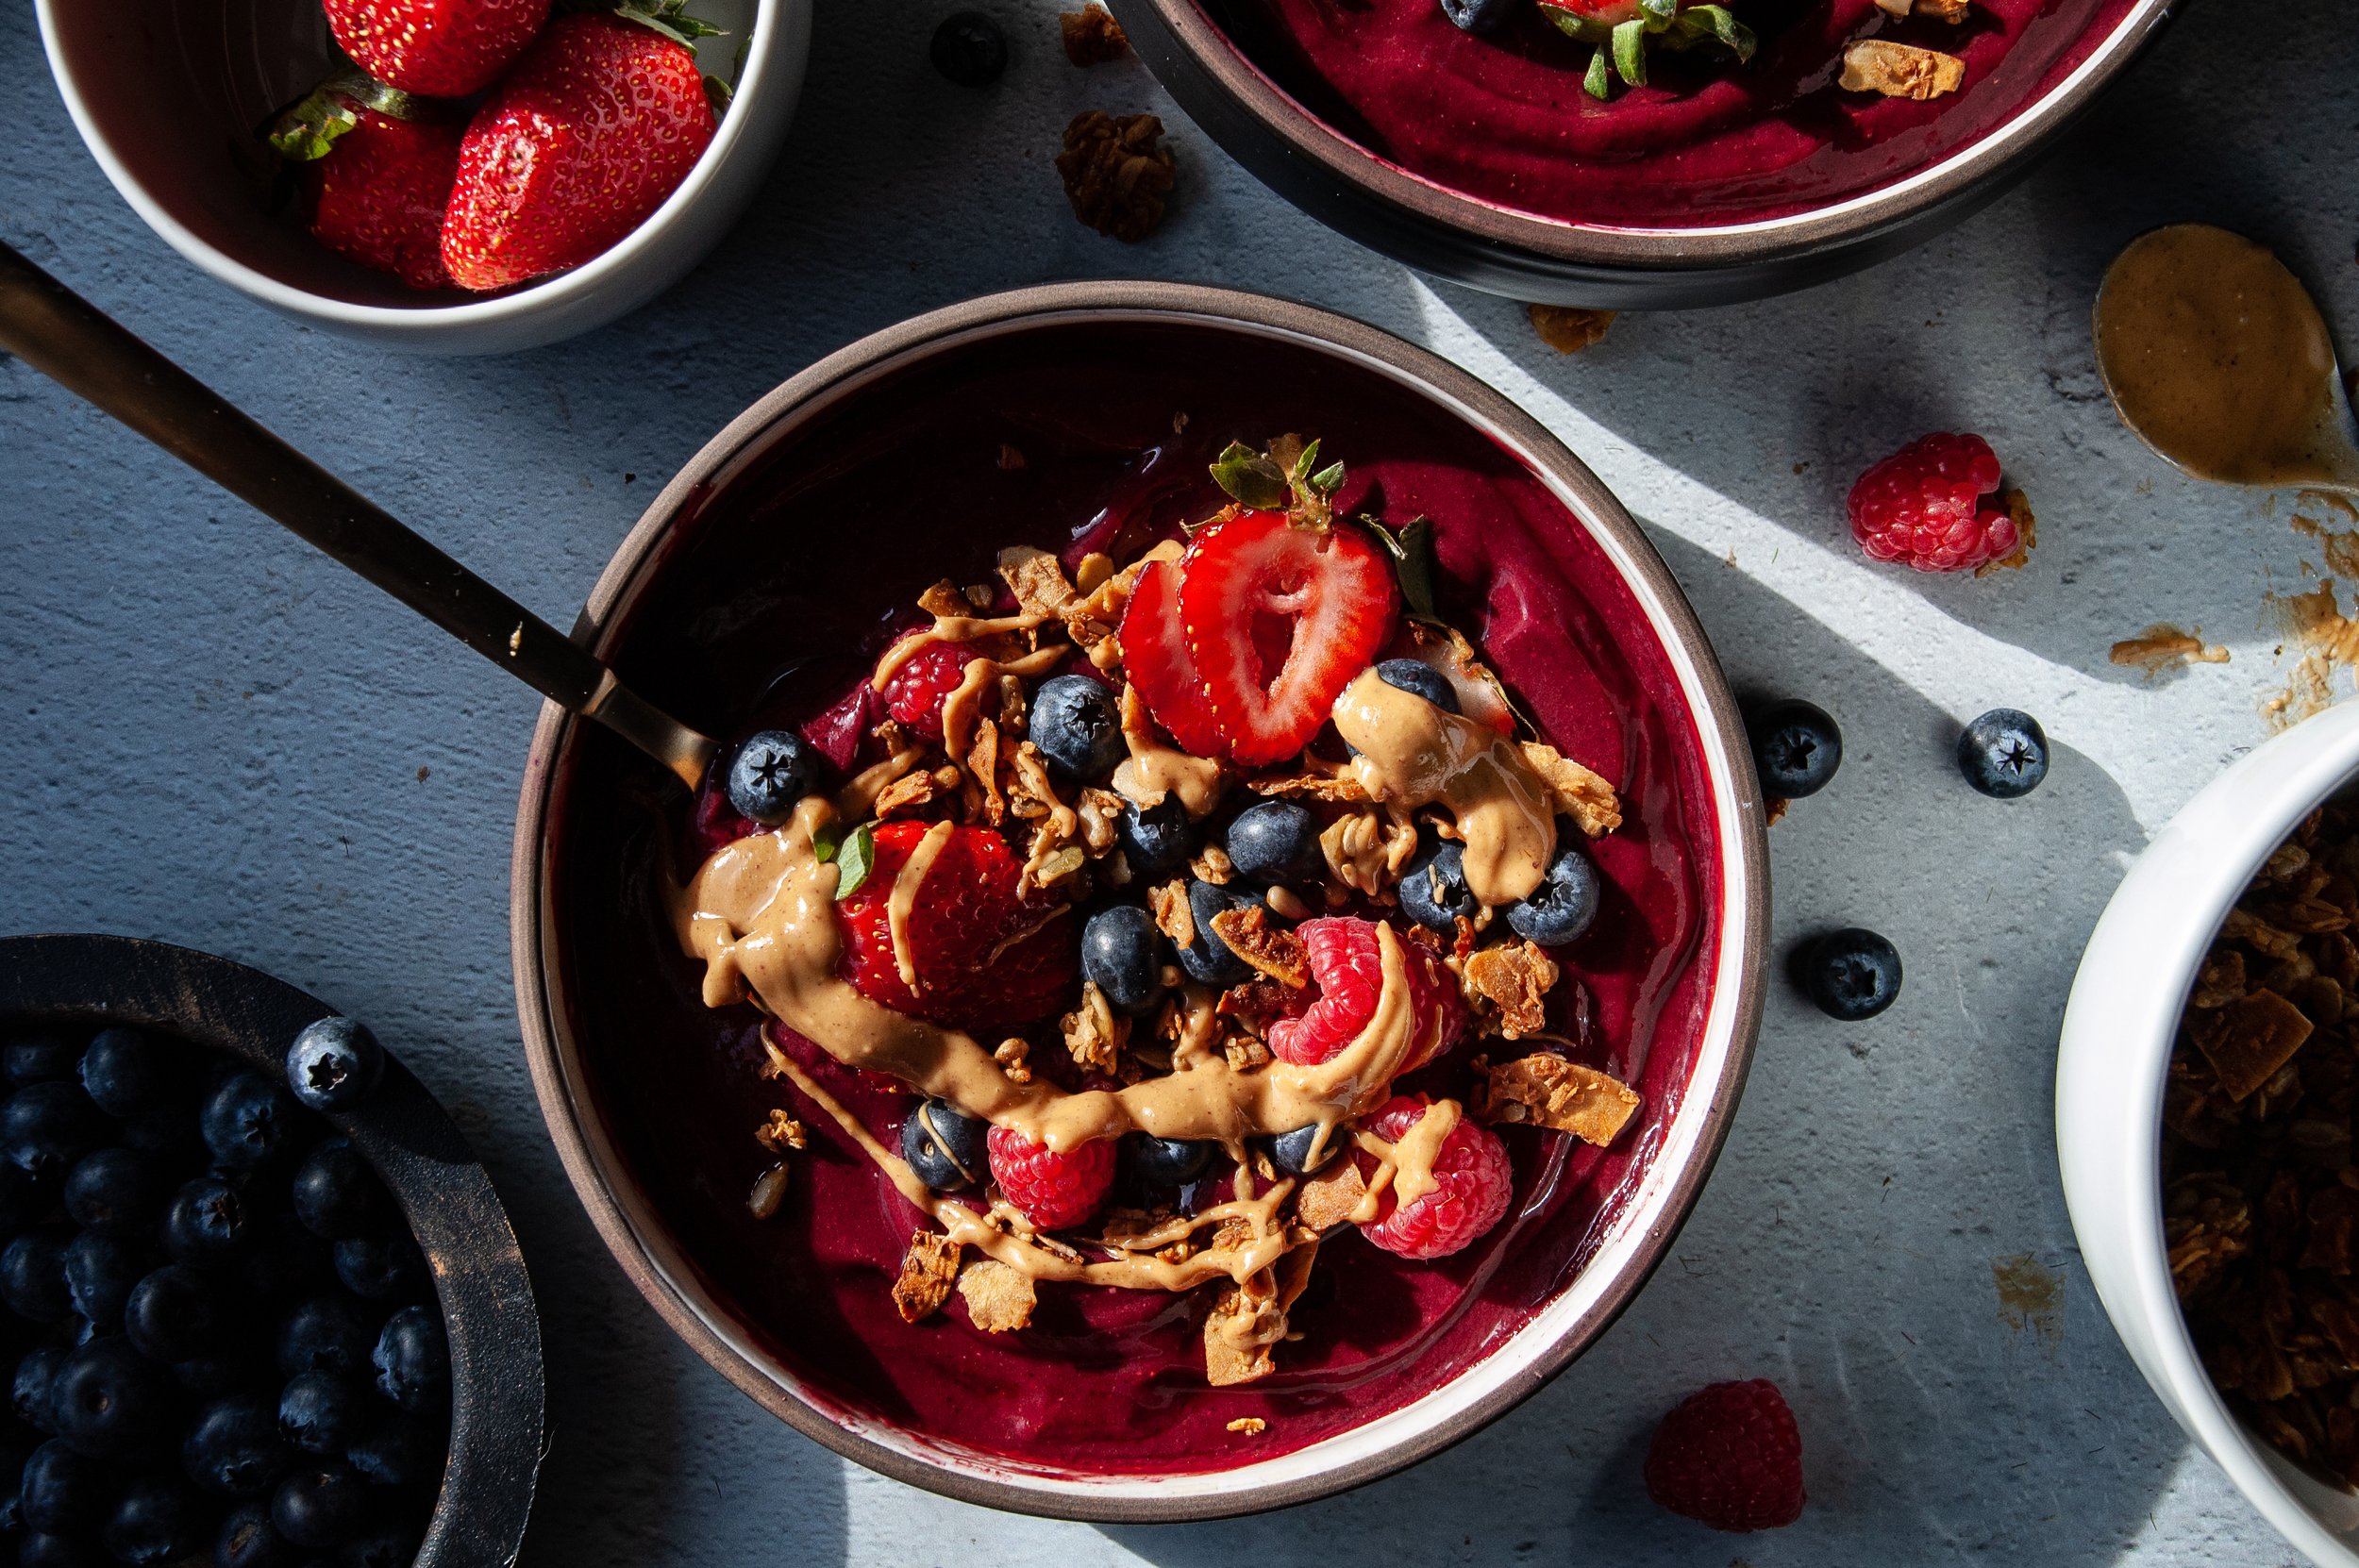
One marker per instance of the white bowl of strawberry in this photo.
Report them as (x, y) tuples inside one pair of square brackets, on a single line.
[(460, 175), (1211, 961)]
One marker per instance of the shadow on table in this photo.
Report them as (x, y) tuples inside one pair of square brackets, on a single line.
[(1883, 1236)]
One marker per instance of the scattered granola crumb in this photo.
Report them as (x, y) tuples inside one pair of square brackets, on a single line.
[(2163, 646), (1774, 810), (1331, 1197), (946, 598), (1092, 36), (1011, 1057), (1009, 458), (1094, 1033), (1952, 11), (1568, 328), (1508, 987), (1582, 795), (769, 1192), (1211, 864), (2019, 509), (1274, 950), (1898, 70), (781, 1132), (1245, 1051), (999, 1299), (927, 1272), (1549, 1091), (1115, 175), (1248, 1425)]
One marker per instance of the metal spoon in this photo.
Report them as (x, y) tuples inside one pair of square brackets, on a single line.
[(70, 340), (2215, 356)]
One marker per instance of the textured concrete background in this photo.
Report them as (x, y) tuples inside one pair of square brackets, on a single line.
[(214, 737)]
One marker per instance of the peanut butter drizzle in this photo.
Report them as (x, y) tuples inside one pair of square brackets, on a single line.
[(2216, 357), (963, 706), (1414, 754), (760, 915), (1406, 1167), (902, 901), (949, 629), (1154, 769)]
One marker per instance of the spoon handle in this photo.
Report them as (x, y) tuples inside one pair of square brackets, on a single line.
[(70, 340)]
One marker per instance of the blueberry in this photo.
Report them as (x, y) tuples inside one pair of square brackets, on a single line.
[(206, 1219), (1276, 841), (1292, 1152), (2004, 754), (1076, 725), (773, 770), (1433, 890), (321, 1413), (113, 1191), (1478, 16), (382, 1268), (334, 1333), (1414, 674), (44, 1127), (249, 1119), (173, 1315), (334, 1064), (1208, 958), (100, 1271), (1122, 954), (40, 1056), (400, 1450), (335, 1191), (158, 1519), (1560, 908), (969, 48), (41, 1550), (945, 1145), (233, 1447), (124, 1073), (29, 1390), (107, 1396), (320, 1504), (1796, 748), (1157, 840), (1851, 974), (384, 1546), (249, 1540), (32, 1277), (413, 1360), (62, 1491), (1169, 1161)]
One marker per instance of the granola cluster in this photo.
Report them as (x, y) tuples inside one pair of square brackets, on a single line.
[(2259, 1194), (1116, 175)]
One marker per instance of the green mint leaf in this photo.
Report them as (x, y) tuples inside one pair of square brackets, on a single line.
[(1411, 549), (1573, 25), (1598, 80), (1328, 480), (1719, 24), (1629, 52), (825, 841), (854, 859), (1251, 478)]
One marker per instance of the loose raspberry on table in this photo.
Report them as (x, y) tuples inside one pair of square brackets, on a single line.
[(1054, 1190), (1472, 1183), (1922, 507), (1731, 1457), (914, 692)]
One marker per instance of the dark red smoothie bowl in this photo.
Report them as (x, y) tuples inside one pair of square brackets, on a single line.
[(761, 585), (1482, 160)]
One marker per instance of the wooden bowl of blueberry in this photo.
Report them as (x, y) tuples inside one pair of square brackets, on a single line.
[(259, 1303)]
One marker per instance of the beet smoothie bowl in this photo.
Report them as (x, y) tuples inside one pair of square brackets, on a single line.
[(1223, 937), (1637, 153)]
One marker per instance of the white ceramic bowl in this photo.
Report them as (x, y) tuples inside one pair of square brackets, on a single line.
[(168, 95), (2133, 981)]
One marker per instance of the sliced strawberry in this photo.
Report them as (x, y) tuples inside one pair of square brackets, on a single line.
[(1155, 657), (1279, 617), (1347, 969), (977, 966)]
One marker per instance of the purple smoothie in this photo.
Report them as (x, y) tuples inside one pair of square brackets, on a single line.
[(775, 599), (1504, 119)]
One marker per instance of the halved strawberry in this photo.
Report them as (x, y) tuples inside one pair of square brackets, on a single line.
[(1155, 657), (985, 956), (1279, 616)]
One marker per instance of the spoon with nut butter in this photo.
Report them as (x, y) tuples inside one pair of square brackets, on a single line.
[(2215, 357)]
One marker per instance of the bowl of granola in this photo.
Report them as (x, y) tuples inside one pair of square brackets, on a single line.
[(1225, 931), (1638, 154), (2204, 1095)]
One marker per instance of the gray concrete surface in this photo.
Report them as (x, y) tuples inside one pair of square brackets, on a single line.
[(209, 735)]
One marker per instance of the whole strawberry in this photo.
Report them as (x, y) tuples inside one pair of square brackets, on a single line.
[(377, 168), (441, 48), (597, 123), (1730, 1456), (1922, 507)]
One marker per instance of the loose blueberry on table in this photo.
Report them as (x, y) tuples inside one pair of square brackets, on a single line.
[(1156, 881), (190, 1381)]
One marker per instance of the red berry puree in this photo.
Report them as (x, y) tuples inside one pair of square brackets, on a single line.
[(915, 920)]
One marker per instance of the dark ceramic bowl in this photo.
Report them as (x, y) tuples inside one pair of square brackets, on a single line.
[(479, 1279), (1281, 120), (652, 1099)]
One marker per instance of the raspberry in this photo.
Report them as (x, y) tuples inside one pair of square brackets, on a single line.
[(916, 692), (1053, 1190), (1731, 1455), (1471, 1176), (1918, 507), (1347, 969)]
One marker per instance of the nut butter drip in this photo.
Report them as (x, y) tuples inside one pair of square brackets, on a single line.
[(949, 629), (761, 914), (1414, 754), (2216, 357), (1154, 769)]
